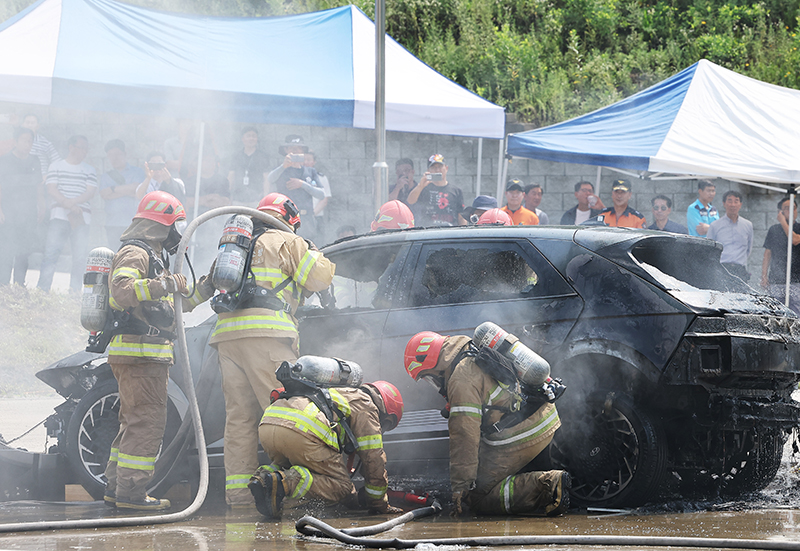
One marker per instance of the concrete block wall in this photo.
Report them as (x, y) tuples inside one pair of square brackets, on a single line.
[(346, 156)]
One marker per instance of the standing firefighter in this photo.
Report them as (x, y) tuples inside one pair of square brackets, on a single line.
[(140, 354), (486, 450), (306, 443), (257, 331)]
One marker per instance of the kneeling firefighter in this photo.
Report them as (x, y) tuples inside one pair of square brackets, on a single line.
[(306, 430), (257, 331), (495, 428), (140, 351)]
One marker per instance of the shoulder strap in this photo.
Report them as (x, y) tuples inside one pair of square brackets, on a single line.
[(157, 264)]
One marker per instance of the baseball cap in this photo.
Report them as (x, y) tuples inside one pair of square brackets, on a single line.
[(515, 184), (435, 158), (481, 202), (623, 185), (292, 139)]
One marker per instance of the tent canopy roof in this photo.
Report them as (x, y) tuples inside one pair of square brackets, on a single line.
[(310, 69), (705, 121)]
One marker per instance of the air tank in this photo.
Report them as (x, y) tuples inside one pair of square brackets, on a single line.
[(531, 368), (94, 301), (328, 371), (234, 246)]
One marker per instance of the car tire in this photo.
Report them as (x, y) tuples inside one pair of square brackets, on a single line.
[(92, 428), (760, 465), (615, 450)]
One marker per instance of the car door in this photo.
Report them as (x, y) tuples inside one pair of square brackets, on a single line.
[(455, 286), (364, 286)]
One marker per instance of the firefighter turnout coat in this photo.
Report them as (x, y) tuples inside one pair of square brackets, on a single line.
[(309, 453), (484, 465)]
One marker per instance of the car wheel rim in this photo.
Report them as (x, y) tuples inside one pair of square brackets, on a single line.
[(99, 427)]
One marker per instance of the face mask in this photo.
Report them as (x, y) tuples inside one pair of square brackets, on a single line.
[(173, 240)]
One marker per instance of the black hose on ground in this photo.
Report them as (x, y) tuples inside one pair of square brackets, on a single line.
[(310, 525), (306, 528), (194, 409)]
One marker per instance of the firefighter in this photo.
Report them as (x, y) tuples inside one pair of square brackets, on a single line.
[(141, 354), (484, 463), (306, 447), (253, 340), (393, 215)]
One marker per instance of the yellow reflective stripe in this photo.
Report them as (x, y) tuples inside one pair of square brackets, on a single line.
[(112, 457), (144, 350), (343, 404), (304, 422), (304, 269), (472, 410), (306, 479), (126, 271), (494, 394), (236, 481), (280, 321), (375, 492), (507, 493), (142, 290), (371, 442), (274, 276), (114, 304), (534, 432), (138, 462)]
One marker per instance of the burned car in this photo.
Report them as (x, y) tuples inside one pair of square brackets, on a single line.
[(676, 370)]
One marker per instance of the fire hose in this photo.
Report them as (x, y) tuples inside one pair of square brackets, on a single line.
[(194, 409), (311, 526)]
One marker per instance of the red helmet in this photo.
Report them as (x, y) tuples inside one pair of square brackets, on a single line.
[(422, 353), (392, 401), (161, 207), (495, 217), (278, 202), (393, 215)]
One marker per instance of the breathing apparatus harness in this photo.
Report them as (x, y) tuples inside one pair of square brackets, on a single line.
[(249, 294), (526, 400), (158, 313)]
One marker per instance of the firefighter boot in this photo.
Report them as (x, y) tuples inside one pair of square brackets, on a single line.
[(267, 489), (146, 504), (560, 503)]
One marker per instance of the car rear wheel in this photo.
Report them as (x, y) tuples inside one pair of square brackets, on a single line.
[(91, 430), (757, 468), (615, 451)]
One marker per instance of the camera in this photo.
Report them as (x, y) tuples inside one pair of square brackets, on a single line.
[(435, 177), (156, 166), (297, 157)]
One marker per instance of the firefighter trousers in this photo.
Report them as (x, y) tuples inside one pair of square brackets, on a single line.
[(248, 376), (142, 417), (500, 490), (310, 468)]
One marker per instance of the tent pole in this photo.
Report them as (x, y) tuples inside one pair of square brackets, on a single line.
[(197, 185), (380, 167), (480, 161), (501, 185), (597, 181), (790, 226), (500, 159)]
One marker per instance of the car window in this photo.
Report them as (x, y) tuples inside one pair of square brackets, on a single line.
[(367, 277), (453, 273)]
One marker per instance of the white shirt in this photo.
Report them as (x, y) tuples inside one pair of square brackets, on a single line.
[(582, 215), (72, 181)]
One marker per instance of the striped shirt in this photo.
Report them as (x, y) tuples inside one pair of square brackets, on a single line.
[(45, 151), (71, 181)]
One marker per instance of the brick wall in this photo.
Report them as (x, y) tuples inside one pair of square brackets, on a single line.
[(347, 156)]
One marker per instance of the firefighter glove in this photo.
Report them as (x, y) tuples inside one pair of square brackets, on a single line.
[(175, 283)]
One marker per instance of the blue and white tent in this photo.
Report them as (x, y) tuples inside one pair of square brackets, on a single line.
[(311, 69), (704, 121)]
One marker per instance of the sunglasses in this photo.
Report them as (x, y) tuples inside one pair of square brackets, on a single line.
[(660, 208)]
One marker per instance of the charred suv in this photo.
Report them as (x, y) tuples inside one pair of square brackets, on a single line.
[(678, 373)]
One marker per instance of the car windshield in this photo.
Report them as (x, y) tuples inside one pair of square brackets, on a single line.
[(366, 277)]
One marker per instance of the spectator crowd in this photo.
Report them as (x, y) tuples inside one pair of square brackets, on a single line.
[(37, 184)]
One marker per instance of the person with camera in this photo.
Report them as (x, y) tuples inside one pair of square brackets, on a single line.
[(257, 334), (487, 449), (300, 183), (404, 170), (141, 355), (158, 178), (435, 201)]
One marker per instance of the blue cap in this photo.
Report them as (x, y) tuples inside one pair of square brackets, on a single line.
[(482, 202)]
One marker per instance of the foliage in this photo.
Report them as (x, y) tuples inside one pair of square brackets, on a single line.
[(37, 329), (548, 60)]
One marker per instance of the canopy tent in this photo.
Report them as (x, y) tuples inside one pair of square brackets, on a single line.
[(311, 69), (705, 121)]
